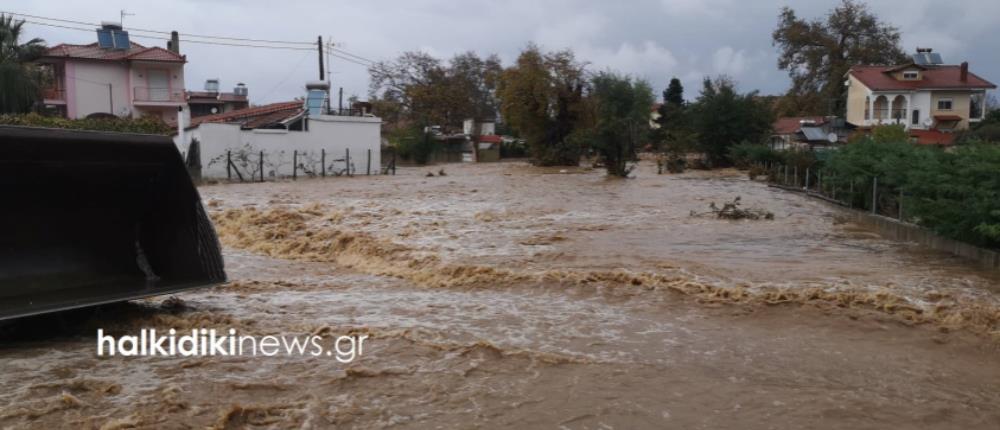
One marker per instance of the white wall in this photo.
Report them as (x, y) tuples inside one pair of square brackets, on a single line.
[(90, 87), (920, 100), (334, 134)]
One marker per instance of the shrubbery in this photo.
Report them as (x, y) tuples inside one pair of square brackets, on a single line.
[(955, 193), (144, 125)]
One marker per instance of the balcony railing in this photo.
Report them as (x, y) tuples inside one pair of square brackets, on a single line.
[(158, 95), (54, 94)]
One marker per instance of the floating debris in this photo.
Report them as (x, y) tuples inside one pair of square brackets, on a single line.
[(732, 210)]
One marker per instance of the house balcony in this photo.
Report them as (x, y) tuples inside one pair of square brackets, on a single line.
[(145, 96), (887, 117), (54, 96)]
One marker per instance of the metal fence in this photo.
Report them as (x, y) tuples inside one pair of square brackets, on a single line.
[(871, 194), (258, 166)]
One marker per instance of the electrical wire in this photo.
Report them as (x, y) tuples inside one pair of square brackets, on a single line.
[(286, 42)]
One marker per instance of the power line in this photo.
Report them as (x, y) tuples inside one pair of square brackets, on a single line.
[(203, 42), (286, 42)]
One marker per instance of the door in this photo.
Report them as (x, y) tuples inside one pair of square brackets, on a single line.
[(158, 81)]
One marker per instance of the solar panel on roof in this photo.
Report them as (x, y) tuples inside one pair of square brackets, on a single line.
[(120, 39), (935, 58), (104, 39)]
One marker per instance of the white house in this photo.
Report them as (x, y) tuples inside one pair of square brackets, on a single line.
[(291, 139), (925, 96)]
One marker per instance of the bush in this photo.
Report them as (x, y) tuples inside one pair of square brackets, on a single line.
[(413, 144), (746, 155), (955, 193), (144, 125)]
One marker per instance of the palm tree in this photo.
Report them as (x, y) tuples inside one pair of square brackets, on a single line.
[(20, 80)]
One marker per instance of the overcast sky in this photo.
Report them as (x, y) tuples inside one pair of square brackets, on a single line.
[(652, 39)]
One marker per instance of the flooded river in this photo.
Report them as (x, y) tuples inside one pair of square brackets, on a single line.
[(509, 296)]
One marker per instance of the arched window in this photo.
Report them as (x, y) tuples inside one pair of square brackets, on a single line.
[(899, 110), (881, 108)]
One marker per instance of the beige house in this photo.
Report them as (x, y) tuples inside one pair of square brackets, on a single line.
[(924, 96), (114, 76)]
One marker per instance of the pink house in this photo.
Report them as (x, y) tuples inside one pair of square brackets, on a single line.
[(115, 76)]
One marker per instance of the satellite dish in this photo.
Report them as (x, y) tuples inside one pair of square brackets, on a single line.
[(832, 137), (928, 122), (215, 110)]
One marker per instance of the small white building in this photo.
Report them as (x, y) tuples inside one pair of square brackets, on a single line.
[(283, 139)]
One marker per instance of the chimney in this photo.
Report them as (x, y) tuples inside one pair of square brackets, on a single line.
[(174, 44), (965, 72)]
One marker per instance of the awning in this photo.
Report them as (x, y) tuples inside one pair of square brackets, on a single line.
[(947, 117)]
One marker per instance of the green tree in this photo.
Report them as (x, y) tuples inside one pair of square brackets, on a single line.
[(818, 53), (622, 117), (674, 134), (674, 94), (722, 118), (417, 88), (542, 97), (20, 80)]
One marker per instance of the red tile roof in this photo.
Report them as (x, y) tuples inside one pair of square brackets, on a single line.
[(932, 137), (792, 124), (879, 78), (94, 52), (255, 116)]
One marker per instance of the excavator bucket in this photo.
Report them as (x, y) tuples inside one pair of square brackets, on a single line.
[(90, 218)]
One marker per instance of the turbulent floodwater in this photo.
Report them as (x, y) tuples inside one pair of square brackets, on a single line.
[(505, 295)]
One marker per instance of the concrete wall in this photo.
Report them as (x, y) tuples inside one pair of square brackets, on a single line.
[(911, 233), (856, 94), (334, 134), (906, 232), (87, 88)]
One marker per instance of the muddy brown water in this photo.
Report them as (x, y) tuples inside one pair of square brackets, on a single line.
[(508, 296)]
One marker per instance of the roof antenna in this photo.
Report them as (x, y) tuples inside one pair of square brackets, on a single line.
[(121, 20)]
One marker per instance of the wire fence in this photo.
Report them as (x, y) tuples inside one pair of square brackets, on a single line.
[(872, 194), (260, 166)]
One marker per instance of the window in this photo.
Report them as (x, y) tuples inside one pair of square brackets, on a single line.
[(976, 110), (911, 76), (916, 117), (944, 104)]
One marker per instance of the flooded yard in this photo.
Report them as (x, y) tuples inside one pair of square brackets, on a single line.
[(509, 296)]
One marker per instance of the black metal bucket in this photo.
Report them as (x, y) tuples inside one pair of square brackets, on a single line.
[(88, 218)]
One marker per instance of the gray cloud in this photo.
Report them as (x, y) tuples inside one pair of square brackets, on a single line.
[(652, 39)]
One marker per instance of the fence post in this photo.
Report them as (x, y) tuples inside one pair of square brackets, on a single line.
[(850, 198), (393, 163), (900, 205), (295, 164), (875, 195), (322, 160), (807, 179), (347, 160), (795, 177), (229, 165), (369, 168), (784, 168), (261, 166)]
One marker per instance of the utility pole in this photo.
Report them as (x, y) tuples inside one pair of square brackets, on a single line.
[(319, 47), (340, 100), (329, 46)]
